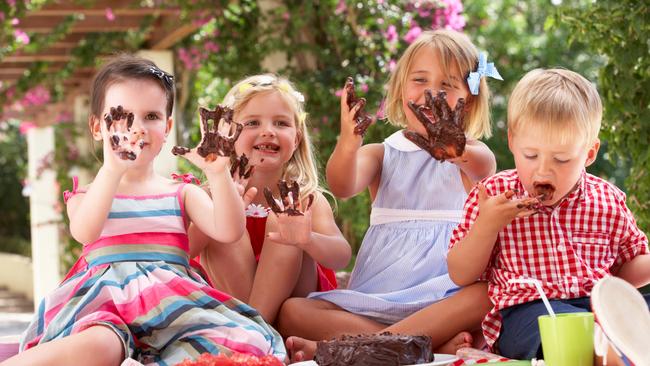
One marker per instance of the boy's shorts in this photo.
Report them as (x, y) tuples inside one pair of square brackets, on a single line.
[(519, 338)]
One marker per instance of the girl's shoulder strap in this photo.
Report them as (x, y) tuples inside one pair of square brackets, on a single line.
[(75, 190)]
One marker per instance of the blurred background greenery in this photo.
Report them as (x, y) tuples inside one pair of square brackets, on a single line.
[(323, 42)]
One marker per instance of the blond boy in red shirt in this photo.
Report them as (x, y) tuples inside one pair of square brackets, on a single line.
[(547, 219)]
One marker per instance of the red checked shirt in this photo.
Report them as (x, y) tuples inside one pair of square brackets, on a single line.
[(568, 247)]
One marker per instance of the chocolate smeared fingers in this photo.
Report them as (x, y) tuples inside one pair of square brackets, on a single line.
[(361, 117), (126, 141), (289, 202), (445, 127), (213, 143), (239, 165)]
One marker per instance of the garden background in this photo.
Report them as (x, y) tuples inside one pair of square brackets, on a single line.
[(323, 42)]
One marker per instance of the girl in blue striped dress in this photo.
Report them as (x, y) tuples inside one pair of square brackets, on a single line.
[(133, 293), (400, 281)]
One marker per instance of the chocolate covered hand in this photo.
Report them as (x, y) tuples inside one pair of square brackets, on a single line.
[(125, 140), (361, 118), (445, 128), (289, 202), (215, 141)]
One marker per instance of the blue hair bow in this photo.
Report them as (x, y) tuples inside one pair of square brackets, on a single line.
[(484, 69)]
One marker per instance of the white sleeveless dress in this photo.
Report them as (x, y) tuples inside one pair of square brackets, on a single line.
[(401, 266)]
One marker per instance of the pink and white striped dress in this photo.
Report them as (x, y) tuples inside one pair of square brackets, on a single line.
[(136, 280)]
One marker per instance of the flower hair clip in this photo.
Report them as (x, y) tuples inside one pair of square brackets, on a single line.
[(162, 75), (483, 69), (288, 89)]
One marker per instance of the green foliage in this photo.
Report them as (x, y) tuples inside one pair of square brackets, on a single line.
[(14, 221), (619, 31)]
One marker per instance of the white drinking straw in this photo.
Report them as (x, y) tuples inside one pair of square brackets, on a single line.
[(538, 286)]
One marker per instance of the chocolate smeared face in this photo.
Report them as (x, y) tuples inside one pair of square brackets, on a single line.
[(445, 128), (362, 119), (214, 143), (289, 202), (125, 140), (543, 191)]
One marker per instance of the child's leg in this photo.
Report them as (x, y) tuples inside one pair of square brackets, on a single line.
[(520, 336), (97, 345), (448, 321), (231, 267), (319, 320)]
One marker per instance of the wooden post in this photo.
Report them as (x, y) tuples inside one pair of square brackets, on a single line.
[(43, 215), (166, 163)]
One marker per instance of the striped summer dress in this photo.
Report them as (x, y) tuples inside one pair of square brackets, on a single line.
[(136, 279), (401, 266)]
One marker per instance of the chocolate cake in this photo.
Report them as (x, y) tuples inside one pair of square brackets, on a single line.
[(385, 349)]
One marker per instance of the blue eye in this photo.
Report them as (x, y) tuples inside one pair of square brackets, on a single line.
[(251, 123)]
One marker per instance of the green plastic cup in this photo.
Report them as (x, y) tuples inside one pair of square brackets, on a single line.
[(567, 339)]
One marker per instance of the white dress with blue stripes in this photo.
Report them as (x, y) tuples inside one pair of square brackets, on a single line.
[(401, 266)]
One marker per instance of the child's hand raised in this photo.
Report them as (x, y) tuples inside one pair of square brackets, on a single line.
[(241, 173), (294, 225), (500, 210), (217, 142), (125, 140), (354, 120)]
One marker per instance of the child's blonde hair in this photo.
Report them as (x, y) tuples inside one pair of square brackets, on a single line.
[(302, 165), (453, 48), (557, 103)]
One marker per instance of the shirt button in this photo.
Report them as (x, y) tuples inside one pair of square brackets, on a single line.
[(560, 247)]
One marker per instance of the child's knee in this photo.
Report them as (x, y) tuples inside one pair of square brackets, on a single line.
[(290, 313)]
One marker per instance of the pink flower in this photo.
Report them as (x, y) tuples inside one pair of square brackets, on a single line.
[(2, 16), (211, 47), (21, 36), (11, 3), (391, 33), (412, 34), (37, 95), (364, 87), (15, 21), (339, 92), (391, 65), (286, 16), (25, 126), (340, 8), (109, 14)]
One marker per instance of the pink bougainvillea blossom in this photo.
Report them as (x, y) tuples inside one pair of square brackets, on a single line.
[(15, 21), (364, 87), (340, 8), (21, 36), (210, 46), (35, 96), (448, 15), (412, 34), (25, 126), (391, 33), (391, 65), (109, 14)]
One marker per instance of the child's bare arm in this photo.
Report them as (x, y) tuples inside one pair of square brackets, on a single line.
[(323, 240), (88, 211), (477, 161), (636, 271), (352, 168), (222, 216)]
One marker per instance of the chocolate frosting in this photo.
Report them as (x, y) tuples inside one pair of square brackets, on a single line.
[(385, 349)]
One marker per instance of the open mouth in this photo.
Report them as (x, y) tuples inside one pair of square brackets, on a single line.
[(543, 191), (267, 147)]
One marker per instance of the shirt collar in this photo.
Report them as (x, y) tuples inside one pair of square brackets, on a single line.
[(399, 142)]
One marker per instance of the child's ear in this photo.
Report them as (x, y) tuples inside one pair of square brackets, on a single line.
[(510, 140), (592, 153), (168, 125), (95, 128)]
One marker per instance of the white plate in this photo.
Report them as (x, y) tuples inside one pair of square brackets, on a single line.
[(439, 359)]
